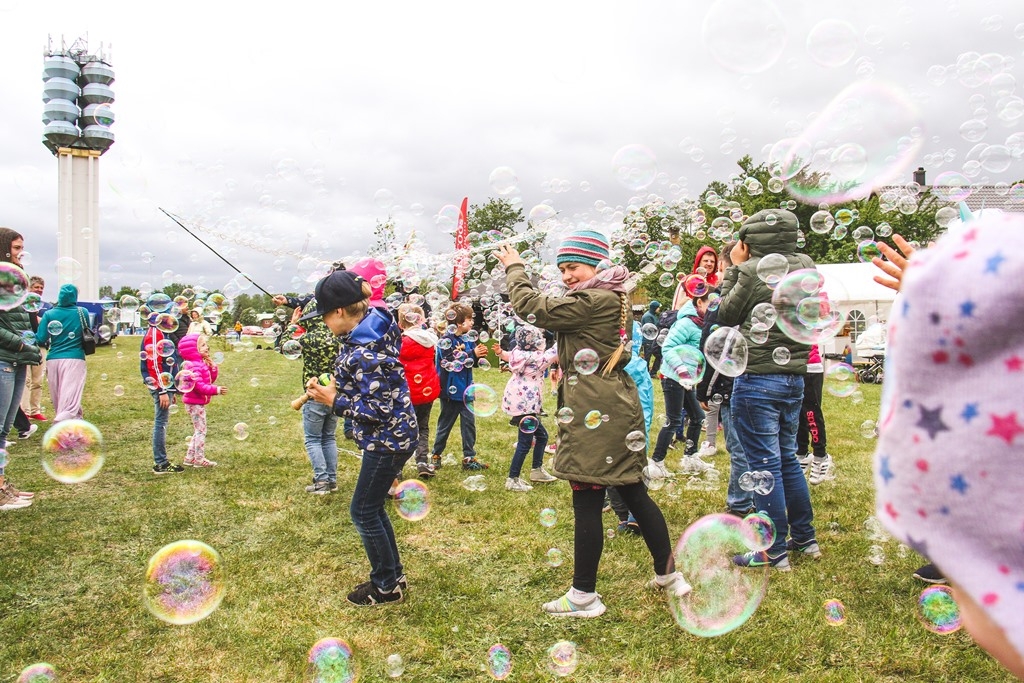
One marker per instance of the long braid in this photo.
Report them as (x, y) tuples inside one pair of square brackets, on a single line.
[(623, 338)]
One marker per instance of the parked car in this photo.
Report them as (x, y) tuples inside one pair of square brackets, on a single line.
[(252, 330)]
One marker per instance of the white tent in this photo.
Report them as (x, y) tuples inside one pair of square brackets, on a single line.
[(852, 289)]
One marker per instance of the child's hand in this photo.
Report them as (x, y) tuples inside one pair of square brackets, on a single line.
[(221, 391), (895, 265), (506, 255), (480, 350), (322, 393)]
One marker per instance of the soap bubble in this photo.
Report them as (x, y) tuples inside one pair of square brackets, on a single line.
[(554, 557), (54, 328), (684, 363), (330, 661), (635, 166), (481, 400), (548, 517), (649, 331), (394, 665), (13, 286), (475, 482), (841, 380), (72, 451), (760, 530), (586, 361), (291, 349), (745, 36), (38, 673), (529, 424), (771, 268), (499, 662), (128, 303), (636, 441), (938, 611), (724, 595), (412, 500), (835, 613), (564, 415), (592, 420), (726, 351), (184, 582), (562, 658), (241, 431), (805, 314)]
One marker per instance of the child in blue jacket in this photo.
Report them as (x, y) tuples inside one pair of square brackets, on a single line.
[(369, 387)]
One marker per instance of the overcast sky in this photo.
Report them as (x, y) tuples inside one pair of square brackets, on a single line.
[(296, 128)]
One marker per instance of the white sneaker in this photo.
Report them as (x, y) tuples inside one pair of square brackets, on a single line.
[(32, 429), (541, 474), (692, 464), (673, 584), (707, 450), (11, 501), (517, 484), (805, 463), (658, 469), (564, 607), (821, 470)]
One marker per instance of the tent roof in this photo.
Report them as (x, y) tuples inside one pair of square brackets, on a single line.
[(848, 282)]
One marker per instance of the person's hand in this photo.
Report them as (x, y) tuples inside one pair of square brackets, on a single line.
[(165, 401), (222, 390), (506, 255), (480, 350), (740, 253), (704, 405), (296, 314), (322, 393), (280, 300), (895, 265)]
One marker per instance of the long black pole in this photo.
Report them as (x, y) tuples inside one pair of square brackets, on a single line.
[(182, 226)]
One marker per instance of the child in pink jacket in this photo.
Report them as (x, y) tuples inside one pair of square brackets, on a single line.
[(196, 382)]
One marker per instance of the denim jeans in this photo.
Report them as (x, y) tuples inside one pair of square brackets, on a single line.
[(735, 498), (376, 474), (160, 416), (423, 442), (12, 384), (677, 401), (451, 411), (766, 414), (319, 424), (538, 440)]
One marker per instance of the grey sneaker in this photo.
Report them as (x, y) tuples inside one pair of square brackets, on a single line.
[(540, 474), (517, 484), (809, 549), (319, 488)]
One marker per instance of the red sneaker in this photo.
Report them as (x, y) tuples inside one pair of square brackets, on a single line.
[(38, 416)]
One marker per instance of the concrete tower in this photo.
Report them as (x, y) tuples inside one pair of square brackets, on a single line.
[(77, 119)]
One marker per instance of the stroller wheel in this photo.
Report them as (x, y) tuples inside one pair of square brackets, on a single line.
[(867, 377)]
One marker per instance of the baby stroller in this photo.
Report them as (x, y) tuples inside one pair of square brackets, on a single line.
[(871, 347)]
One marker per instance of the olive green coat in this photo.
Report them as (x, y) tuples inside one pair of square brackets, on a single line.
[(13, 348), (742, 289), (587, 319)]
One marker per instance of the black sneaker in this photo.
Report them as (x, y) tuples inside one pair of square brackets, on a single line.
[(367, 595), (319, 488), (167, 468), (425, 470), (473, 464), (929, 574), (741, 513)]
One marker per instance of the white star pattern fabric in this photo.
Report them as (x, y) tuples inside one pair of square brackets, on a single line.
[(949, 468)]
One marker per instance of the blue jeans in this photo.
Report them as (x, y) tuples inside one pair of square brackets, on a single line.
[(766, 414), (451, 411), (377, 473), (677, 401), (736, 498), (318, 426), (160, 417), (538, 440), (12, 384)]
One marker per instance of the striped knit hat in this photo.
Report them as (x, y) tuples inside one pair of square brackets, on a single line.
[(583, 246)]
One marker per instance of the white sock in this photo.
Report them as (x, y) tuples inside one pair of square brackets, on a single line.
[(578, 597)]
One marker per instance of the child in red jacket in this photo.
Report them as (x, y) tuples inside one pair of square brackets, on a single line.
[(196, 382), (417, 357)]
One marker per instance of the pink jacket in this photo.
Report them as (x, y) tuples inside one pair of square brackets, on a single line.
[(203, 374), (524, 391)]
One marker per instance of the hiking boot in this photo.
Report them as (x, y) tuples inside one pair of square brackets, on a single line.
[(821, 470), (167, 468), (517, 484), (425, 470), (319, 488), (10, 501), (673, 584), (929, 574), (473, 464), (809, 548), (540, 474), (760, 558), (368, 595), (565, 607)]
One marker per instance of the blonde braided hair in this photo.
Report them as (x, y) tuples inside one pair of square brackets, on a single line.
[(623, 338)]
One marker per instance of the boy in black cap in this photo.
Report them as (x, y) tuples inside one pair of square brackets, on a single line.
[(370, 387)]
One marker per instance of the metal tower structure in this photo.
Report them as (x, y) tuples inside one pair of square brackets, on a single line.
[(77, 119)]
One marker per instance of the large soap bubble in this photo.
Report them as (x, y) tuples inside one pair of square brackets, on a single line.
[(805, 314), (726, 351)]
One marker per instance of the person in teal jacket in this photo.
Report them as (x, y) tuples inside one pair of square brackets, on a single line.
[(60, 329), (679, 390)]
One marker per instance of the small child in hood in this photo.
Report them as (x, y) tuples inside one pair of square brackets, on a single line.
[(197, 386), (522, 400), (419, 344)]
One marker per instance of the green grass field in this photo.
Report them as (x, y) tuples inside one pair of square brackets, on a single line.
[(72, 565)]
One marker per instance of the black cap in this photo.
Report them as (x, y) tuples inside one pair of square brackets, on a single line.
[(339, 289)]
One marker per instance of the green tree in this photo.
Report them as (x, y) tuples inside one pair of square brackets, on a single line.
[(494, 220), (106, 291), (385, 242)]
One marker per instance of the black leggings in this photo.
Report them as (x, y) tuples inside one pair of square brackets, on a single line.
[(811, 432), (589, 532)]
